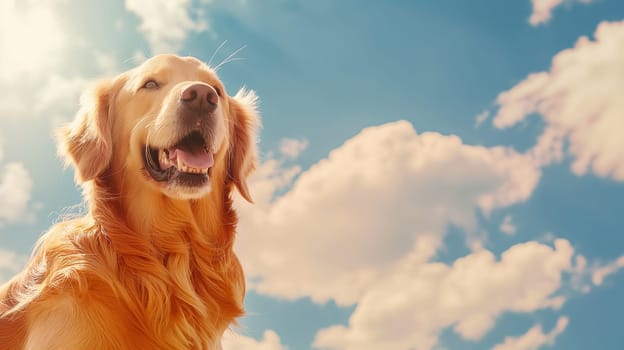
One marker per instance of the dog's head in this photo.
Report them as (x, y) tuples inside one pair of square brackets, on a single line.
[(167, 125)]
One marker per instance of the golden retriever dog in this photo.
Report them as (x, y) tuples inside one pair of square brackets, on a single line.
[(158, 151)]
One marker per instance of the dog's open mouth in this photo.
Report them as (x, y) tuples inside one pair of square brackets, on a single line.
[(188, 162)]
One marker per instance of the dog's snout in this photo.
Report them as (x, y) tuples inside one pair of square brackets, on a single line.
[(200, 97)]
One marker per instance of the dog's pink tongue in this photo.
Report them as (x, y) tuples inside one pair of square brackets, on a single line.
[(200, 160)]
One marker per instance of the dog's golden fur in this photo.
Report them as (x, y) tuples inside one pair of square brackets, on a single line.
[(147, 267)]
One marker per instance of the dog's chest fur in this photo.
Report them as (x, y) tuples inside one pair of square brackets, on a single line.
[(190, 301), (182, 298)]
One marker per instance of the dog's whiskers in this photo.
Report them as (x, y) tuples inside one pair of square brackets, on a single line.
[(230, 58), (229, 61), (216, 52)]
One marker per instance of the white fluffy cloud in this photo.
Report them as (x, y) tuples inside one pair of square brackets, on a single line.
[(31, 39), (580, 101), (166, 23), (29, 66), (601, 272), (292, 148), (386, 193), (270, 341), (542, 9), (15, 191), (481, 117), (59, 92), (535, 338), (408, 308), (507, 226), (57, 97), (10, 264)]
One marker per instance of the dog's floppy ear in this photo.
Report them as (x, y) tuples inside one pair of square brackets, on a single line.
[(242, 153), (86, 142)]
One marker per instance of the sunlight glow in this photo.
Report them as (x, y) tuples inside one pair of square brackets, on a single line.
[(31, 39)]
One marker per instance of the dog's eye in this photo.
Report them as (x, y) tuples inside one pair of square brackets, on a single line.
[(218, 91), (151, 84)]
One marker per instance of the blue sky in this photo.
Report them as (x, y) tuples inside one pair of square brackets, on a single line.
[(434, 174)]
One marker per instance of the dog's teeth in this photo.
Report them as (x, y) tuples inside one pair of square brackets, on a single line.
[(183, 167), (188, 169), (163, 159)]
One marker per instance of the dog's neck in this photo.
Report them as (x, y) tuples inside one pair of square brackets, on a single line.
[(166, 223), (180, 247)]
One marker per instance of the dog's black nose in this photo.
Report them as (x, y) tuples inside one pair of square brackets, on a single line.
[(200, 98)]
